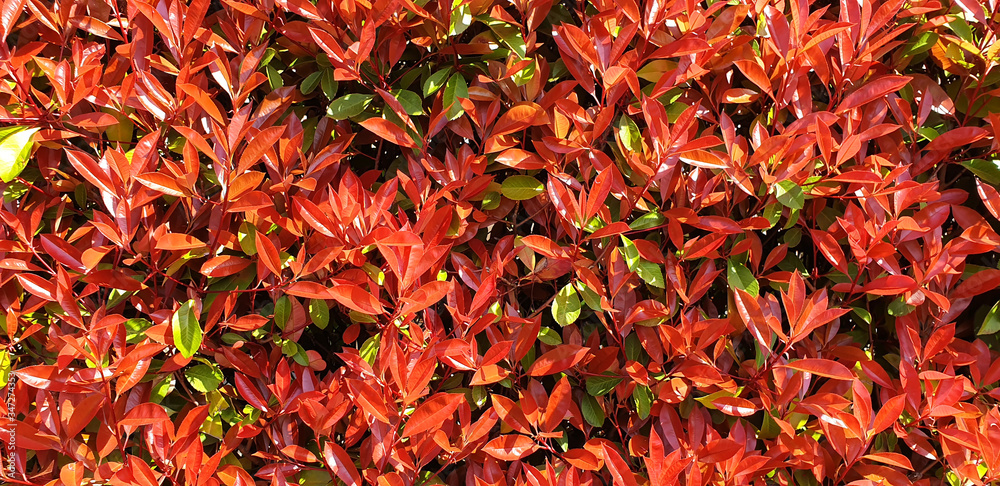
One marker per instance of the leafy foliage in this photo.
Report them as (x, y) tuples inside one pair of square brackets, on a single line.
[(483, 242)]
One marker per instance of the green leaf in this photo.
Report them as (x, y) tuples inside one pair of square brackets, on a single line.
[(274, 78), (162, 389), (741, 277), (899, 307), (631, 254), (412, 103), (15, 149), (329, 84), (566, 307), (863, 314), (790, 194), (4, 368), (521, 187), (455, 90), (633, 348), (369, 350), (348, 106), (992, 322), (491, 201), (435, 81), (592, 411), (649, 220), (461, 18), (247, 236), (310, 83), (629, 134), (920, 44), (589, 296), (135, 330), (524, 75), (187, 330), (511, 36), (549, 336), (987, 170), (289, 348), (602, 385), (651, 273), (282, 311), (643, 397), (319, 313), (204, 378)]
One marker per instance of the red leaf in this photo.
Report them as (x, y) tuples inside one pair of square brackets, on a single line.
[(76, 417), (620, 470), (890, 458), (978, 283), (369, 399), (340, 463), (520, 159), (37, 286), (893, 285), (250, 392), (63, 252), (831, 250), (426, 296), (161, 183), (872, 90), (719, 450), (990, 197), (144, 414), (389, 132), (224, 266), (520, 116), (511, 413), (357, 298), (268, 253), (956, 137), (822, 367), (890, 412), (243, 184), (559, 359), (582, 459), (298, 453), (312, 214), (258, 146), (510, 447), (432, 413), (178, 241), (735, 406)]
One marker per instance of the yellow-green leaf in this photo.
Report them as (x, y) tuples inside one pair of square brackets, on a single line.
[(187, 330), (15, 149)]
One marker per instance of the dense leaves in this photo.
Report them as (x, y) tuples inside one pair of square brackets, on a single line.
[(485, 242)]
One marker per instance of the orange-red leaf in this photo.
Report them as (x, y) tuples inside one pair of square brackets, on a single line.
[(510, 447), (224, 266), (559, 359), (178, 241), (389, 132), (822, 367), (432, 413)]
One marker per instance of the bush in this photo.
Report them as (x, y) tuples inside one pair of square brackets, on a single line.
[(479, 242)]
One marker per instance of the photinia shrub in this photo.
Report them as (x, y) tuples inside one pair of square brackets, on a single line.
[(400, 242)]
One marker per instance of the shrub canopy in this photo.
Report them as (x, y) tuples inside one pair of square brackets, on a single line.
[(400, 242)]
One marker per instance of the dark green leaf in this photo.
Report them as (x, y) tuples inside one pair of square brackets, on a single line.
[(348, 106), (602, 385)]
